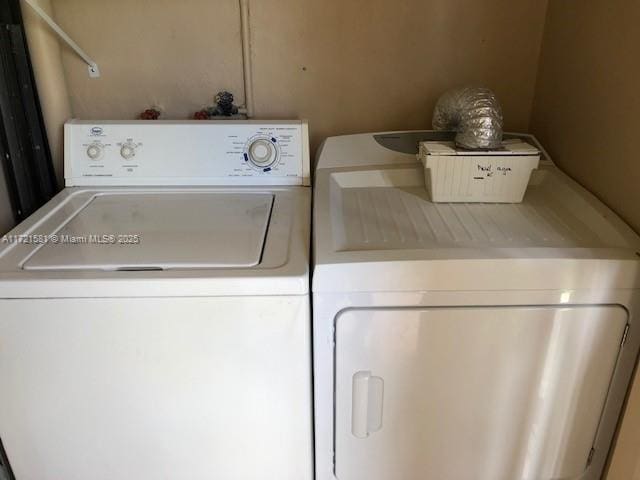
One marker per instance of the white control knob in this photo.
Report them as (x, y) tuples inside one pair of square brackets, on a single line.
[(262, 153), (127, 151), (94, 151)]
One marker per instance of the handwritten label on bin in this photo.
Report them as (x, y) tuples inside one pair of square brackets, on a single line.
[(490, 170)]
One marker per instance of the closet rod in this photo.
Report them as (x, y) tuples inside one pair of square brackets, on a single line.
[(94, 71)]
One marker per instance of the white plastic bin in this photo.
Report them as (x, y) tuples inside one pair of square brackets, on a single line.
[(498, 176)]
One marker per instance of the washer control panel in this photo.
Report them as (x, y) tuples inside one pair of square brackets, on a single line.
[(153, 152)]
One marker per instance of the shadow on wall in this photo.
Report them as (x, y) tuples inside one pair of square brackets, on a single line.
[(588, 90)]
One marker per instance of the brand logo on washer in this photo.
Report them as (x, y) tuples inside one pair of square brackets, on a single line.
[(96, 130)]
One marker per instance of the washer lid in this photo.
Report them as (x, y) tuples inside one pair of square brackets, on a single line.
[(158, 231)]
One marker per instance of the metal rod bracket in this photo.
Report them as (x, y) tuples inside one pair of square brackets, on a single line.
[(94, 71)]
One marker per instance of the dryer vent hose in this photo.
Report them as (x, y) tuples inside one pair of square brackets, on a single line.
[(474, 113)]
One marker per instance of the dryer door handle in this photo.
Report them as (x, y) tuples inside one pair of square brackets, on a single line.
[(366, 404)]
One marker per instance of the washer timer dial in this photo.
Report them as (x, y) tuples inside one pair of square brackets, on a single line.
[(127, 151), (94, 151), (262, 153)]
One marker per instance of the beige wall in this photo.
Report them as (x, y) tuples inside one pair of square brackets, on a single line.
[(44, 50), (174, 54), (380, 64), (347, 66), (589, 90), (586, 113)]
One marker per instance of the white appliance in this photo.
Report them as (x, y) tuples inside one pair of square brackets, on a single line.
[(154, 316), (465, 341)]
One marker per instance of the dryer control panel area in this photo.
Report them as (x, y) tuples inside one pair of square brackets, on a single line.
[(231, 152)]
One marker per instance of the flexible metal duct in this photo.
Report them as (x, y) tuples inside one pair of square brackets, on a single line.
[(474, 113)]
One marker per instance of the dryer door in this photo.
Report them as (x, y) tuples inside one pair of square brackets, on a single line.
[(487, 393)]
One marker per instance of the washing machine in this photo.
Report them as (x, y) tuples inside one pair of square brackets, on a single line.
[(155, 316), (465, 341)]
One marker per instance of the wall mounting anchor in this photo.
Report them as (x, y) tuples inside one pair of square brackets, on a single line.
[(92, 66)]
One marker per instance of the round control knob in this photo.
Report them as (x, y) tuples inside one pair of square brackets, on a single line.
[(94, 151), (127, 151), (262, 153)]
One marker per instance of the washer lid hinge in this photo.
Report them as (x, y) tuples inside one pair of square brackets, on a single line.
[(624, 335)]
